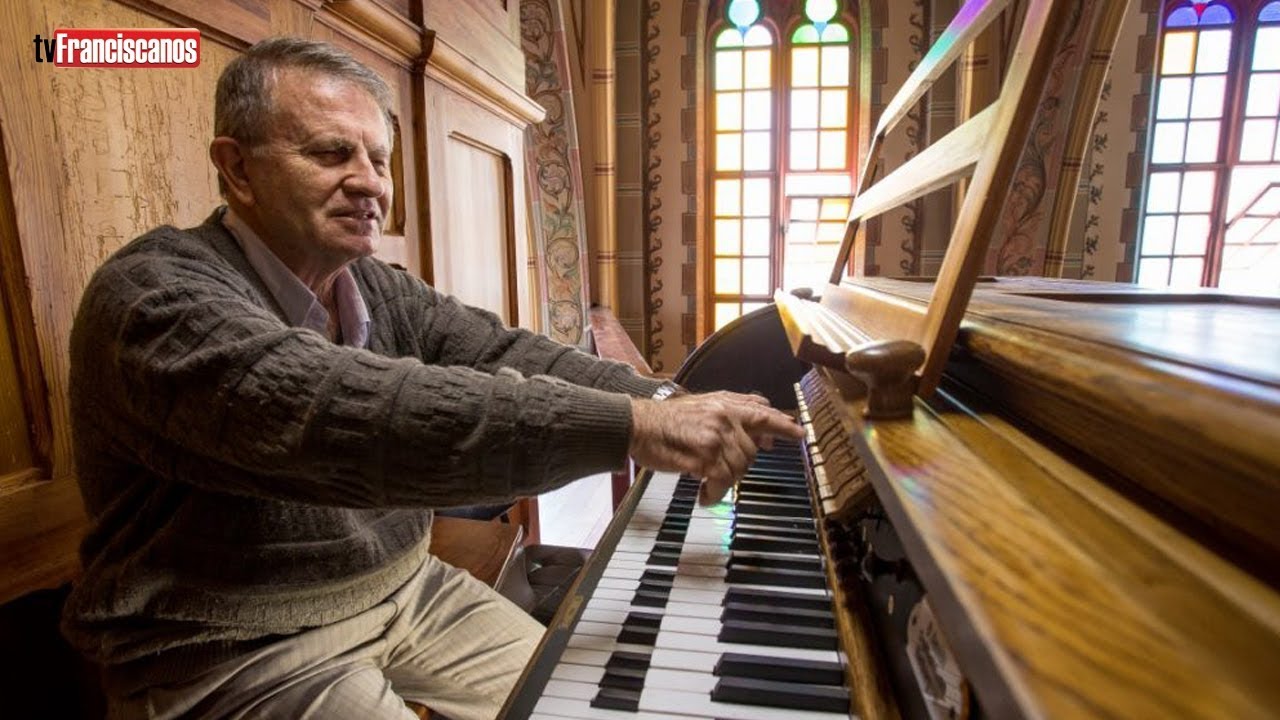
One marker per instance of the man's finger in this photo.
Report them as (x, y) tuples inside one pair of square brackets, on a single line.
[(773, 422)]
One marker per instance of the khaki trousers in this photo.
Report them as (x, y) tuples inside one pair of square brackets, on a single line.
[(444, 640)]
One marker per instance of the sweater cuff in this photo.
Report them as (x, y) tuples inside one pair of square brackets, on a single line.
[(597, 435), (637, 385)]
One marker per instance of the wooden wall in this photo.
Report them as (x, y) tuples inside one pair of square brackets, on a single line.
[(94, 157)]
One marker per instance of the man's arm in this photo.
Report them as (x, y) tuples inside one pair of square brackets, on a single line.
[(453, 333), (215, 391)]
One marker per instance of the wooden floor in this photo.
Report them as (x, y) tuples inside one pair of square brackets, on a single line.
[(577, 514)]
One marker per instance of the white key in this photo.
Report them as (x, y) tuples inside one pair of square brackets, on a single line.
[(676, 702), (582, 710)]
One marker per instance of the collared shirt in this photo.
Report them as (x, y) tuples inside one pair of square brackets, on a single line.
[(301, 306)]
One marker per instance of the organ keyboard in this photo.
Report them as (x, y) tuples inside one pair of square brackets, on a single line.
[(715, 612)]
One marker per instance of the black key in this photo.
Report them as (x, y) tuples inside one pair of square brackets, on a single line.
[(811, 672), (667, 557), (772, 509), (672, 536), (759, 543), (782, 563), (774, 488), (769, 693), (624, 659), (657, 577), (778, 577), (753, 526), (757, 612), (773, 499), (805, 524), (624, 679), (617, 699), (775, 597), (776, 635), (637, 631), (650, 598)]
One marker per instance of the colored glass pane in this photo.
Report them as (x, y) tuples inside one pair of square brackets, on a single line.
[(757, 110), (1174, 96), (756, 200), (1153, 272), (1197, 191), (1202, 145), (1256, 140), (728, 198), (1216, 15), (755, 276), (831, 150), (1212, 51), (804, 67), (805, 35), (1264, 95), (1157, 234), (728, 237), (835, 209), (1182, 17), (725, 314), (1206, 100), (1270, 12), (835, 65), (819, 184), (728, 278), (804, 109), (743, 12), (757, 36), (830, 232), (1168, 142), (804, 150), (835, 33), (728, 111), (729, 70), (757, 72), (835, 107), (1177, 56), (801, 232), (756, 233), (1186, 272), (820, 11), (729, 38), (757, 151), (804, 208), (1193, 235), (729, 152), (1162, 192), (1265, 55)]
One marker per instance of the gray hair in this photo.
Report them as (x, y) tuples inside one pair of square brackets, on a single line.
[(243, 103)]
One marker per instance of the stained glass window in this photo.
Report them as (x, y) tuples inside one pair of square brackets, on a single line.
[(1212, 210), (782, 151)]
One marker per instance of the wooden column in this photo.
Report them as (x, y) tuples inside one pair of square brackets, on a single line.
[(600, 33)]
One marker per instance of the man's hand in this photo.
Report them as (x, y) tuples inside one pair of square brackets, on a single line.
[(712, 436)]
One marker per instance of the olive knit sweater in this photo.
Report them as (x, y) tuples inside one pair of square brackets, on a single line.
[(245, 478)]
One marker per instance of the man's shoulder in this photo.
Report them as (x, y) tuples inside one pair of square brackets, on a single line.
[(165, 251)]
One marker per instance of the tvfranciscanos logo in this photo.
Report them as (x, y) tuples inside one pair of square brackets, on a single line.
[(120, 47)]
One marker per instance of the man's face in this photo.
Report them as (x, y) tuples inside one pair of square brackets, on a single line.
[(321, 180)]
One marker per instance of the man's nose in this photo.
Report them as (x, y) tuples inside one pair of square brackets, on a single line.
[(364, 178)]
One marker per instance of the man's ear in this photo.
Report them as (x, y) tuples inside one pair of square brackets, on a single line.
[(229, 157)]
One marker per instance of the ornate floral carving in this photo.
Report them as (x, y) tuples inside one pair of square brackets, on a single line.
[(913, 217), (652, 161), (1023, 211), (1093, 222), (557, 198)]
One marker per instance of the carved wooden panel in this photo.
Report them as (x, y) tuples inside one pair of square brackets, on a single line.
[(95, 157)]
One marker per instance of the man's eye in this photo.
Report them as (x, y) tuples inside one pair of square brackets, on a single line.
[(333, 155)]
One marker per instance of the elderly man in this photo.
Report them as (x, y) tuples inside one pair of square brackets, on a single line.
[(264, 415)]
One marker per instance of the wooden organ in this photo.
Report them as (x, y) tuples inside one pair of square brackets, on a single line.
[(1016, 497)]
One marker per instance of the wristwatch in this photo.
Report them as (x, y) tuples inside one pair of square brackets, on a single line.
[(668, 389)]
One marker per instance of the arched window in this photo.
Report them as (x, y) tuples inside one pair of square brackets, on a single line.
[(782, 150), (1212, 201)]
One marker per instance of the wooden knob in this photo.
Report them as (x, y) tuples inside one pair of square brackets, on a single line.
[(887, 368)]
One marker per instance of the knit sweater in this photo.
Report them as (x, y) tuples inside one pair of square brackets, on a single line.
[(245, 478)]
